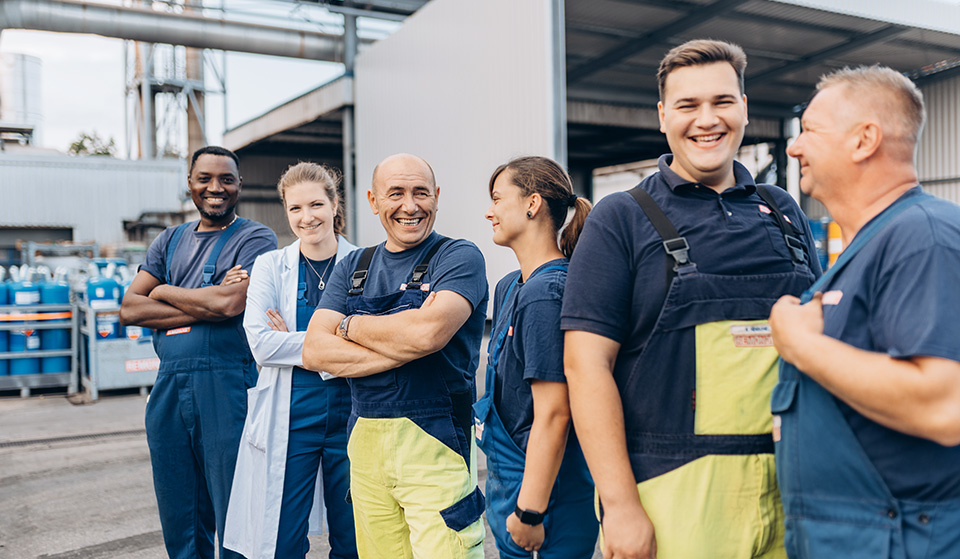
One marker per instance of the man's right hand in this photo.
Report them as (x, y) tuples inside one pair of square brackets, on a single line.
[(628, 534)]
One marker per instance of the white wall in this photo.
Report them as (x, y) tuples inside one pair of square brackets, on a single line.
[(92, 195), (466, 85)]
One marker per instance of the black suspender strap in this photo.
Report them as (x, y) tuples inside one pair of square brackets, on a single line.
[(791, 233), (416, 280), (678, 250), (360, 274), (363, 266)]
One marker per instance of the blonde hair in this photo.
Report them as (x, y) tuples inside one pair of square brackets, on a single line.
[(327, 177)]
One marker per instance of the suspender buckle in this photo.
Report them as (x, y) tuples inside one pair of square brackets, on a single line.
[(679, 249), (416, 279), (358, 278), (796, 249)]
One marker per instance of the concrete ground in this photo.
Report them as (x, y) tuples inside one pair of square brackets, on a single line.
[(75, 481)]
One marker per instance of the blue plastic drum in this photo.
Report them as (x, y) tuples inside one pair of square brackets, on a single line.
[(55, 293)]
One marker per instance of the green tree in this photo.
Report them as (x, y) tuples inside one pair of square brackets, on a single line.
[(92, 144)]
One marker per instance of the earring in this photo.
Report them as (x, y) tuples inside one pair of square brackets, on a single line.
[(529, 215)]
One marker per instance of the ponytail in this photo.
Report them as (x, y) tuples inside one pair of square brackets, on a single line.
[(571, 233)]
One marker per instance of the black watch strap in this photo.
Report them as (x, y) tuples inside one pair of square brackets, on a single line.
[(533, 518)]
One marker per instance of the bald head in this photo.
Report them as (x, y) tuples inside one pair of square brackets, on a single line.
[(882, 95), (401, 162)]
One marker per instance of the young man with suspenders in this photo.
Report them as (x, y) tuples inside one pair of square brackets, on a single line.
[(669, 359)]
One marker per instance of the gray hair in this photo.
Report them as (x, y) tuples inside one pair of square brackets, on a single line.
[(899, 98)]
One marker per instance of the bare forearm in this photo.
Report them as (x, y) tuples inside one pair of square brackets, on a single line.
[(212, 303), (598, 416), (325, 351), (414, 333), (143, 311), (919, 397), (400, 336), (545, 446)]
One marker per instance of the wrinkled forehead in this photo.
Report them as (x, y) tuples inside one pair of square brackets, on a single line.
[(403, 173)]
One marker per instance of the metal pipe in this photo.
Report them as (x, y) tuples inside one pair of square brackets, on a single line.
[(191, 30), (350, 189)]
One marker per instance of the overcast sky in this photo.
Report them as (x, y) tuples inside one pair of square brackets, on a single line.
[(83, 82)]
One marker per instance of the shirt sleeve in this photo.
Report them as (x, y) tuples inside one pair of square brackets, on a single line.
[(539, 338), (155, 261), (600, 281), (460, 268), (917, 303)]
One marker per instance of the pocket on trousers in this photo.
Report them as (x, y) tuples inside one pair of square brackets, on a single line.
[(463, 517)]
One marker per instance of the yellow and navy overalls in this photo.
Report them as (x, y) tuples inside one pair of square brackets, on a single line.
[(837, 503), (696, 407), (194, 419), (413, 479), (571, 531)]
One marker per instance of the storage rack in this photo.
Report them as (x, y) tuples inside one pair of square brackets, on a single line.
[(25, 383)]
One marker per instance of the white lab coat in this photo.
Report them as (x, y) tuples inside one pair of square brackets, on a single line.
[(253, 515)]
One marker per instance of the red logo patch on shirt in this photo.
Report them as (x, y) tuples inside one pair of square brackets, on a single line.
[(763, 209), (175, 331), (832, 297)]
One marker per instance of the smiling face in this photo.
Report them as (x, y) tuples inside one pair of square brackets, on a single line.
[(821, 146), (703, 115), (309, 212), (507, 211), (405, 197), (214, 185)]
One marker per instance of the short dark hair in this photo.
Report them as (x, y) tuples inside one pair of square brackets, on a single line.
[(702, 51), (213, 150)]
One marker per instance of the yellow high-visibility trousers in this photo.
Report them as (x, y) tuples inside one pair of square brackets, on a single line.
[(412, 495)]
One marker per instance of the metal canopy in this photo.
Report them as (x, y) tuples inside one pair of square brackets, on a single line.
[(613, 48)]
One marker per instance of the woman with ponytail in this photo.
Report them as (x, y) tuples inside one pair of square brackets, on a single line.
[(539, 492)]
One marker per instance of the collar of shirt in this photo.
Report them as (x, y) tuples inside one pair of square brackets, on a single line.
[(744, 180)]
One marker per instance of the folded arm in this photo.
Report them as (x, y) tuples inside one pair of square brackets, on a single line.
[(324, 350), (212, 303), (598, 417), (414, 333), (919, 396), (140, 310)]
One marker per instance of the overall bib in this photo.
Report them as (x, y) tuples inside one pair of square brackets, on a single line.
[(194, 420), (413, 481), (319, 410), (696, 412), (837, 503), (569, 524)]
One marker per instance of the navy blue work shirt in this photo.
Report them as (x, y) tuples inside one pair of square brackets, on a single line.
[(900, 295), (617, 280), (533, 348), (249, 241), (458, 266)]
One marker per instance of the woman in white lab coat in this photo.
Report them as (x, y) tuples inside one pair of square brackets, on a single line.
[(293, 454)]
